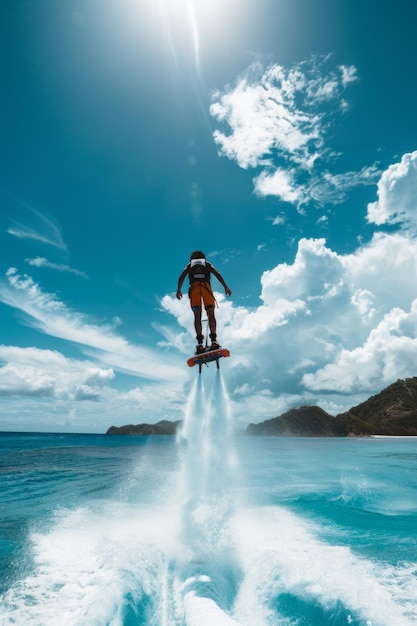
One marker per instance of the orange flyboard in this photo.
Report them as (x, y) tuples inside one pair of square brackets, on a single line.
[(207, 357)]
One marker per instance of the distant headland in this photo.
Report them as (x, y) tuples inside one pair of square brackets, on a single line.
[(393, 411), (164, 427)]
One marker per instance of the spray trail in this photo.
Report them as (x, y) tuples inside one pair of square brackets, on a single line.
[(191, 439), (208, 571)]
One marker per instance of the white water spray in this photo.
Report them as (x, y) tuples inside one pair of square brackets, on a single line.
[(208, 570)]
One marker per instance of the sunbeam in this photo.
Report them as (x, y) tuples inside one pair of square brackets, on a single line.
[(188, 28), (195, 35)]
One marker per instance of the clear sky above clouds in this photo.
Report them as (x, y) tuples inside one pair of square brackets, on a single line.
[(278, 136)]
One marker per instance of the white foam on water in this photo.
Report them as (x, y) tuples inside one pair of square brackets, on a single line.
[(359, 491), (90, 565), (165, 564), (194, 556), (205, 612), (281, 555)]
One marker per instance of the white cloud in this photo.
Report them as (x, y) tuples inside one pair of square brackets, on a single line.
[(317, 273), (75, 394), (281, 184), (279, 220), (331, 329), (279, 119), (387, 269), (264, 116), (388, 353), (25, 381), (97, 376), (43, 262), (349, 74), (324, 188), (328, 188), (36, 225), (48, 314), (397, 195), (39, 373)]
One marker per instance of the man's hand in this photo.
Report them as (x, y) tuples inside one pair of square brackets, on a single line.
[(227, 291), (179, 294)]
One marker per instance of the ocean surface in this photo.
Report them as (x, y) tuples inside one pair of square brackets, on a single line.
[(208, 528)]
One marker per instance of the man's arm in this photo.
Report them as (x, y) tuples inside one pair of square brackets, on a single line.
[(221, 280), (180, 281)]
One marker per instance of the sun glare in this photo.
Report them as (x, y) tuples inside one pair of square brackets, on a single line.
[(195, 35), (212, 13), (193, 23)]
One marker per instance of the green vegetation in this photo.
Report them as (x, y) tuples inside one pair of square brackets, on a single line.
[(393, 411)]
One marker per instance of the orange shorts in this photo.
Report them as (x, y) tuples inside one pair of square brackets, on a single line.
[(201, 292)]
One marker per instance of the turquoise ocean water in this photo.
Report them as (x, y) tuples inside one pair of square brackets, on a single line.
[(207, 529)]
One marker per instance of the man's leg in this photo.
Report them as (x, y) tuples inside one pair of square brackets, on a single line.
[(197, 323), (211, 319), (198, 329), (212, 325), (195, 302)]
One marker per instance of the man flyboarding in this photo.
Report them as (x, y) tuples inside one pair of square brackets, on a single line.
[(199, 271)]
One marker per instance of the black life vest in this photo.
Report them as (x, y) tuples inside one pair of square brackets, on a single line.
[(199, 270)]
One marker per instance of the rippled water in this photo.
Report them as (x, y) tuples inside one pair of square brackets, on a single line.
[(207, 529)]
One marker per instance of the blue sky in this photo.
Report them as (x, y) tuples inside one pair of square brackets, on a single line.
[(279, 136)]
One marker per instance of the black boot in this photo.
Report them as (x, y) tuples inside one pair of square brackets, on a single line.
[(214, 344), (199, 349)]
